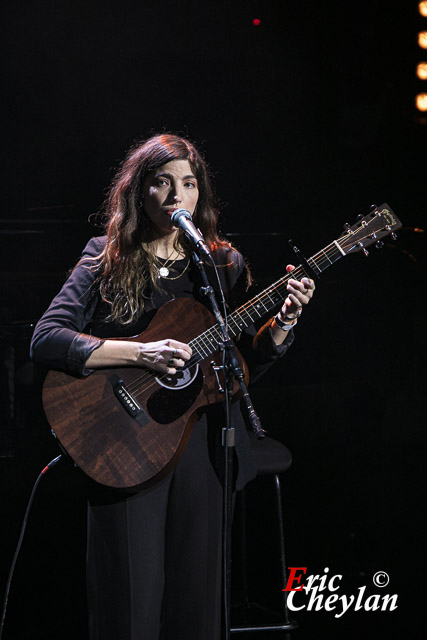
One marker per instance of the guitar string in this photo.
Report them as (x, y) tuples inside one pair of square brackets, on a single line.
[(206, 337), (153, 377), (251, 305), (204, 345), (316, 260), (198, 357), (267, 293), (210, 343), (135, 387)]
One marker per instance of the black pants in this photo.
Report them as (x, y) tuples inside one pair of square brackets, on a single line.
[(154, 559)]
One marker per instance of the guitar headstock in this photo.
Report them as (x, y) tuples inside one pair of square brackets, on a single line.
[(369, 229)]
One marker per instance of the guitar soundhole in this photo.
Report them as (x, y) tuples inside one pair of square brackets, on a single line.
[(170, 402)]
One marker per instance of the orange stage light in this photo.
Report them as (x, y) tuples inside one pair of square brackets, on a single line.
[(422, 39), (422, 70), (421, 101), (422, 8)]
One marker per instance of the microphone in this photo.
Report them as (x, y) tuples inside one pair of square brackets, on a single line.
[(181, 218)]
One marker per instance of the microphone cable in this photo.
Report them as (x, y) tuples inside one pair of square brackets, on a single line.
[(51, 464)]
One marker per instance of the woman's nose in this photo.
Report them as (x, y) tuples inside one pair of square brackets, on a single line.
[(177, 197)]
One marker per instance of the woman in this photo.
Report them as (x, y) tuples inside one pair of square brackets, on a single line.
[(154, 557)]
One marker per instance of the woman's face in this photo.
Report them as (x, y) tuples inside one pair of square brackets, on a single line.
[(171, 186)]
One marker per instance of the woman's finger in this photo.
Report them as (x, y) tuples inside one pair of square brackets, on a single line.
[(181, 349)]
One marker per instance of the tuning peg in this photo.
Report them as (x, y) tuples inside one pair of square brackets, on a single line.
[(359, 217), (372, 207), (394, 236), (365, 251), (346, 226), (379, 244)]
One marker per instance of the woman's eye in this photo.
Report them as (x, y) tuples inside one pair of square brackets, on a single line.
[(162, 182), (190, 185)]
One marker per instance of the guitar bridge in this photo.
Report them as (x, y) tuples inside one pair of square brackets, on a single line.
[(127, 401)]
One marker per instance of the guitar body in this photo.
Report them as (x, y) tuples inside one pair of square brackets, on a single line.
[(90, 418), (126, 427)]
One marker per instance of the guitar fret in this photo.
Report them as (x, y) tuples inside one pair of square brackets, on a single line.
[(313, 264), (330, 261), (216, 339), (234, 326), (197, 345), (326, 257), (261, 302), (272, 303), (209, 341), (247, 316), (202, 352)]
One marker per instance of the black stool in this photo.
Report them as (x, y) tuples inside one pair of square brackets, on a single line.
[(271, 459)]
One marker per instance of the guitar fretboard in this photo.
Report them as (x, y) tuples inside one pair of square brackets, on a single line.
[(262, 304)]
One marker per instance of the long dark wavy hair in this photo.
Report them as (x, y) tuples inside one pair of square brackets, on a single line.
[(127, 264)]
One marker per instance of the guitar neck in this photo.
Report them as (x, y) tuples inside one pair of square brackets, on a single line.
[(379, 223), (264, 303), (269, 299)]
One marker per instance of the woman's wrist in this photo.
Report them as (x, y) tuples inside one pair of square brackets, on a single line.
[(114, 353), (286, 322), (285, 325), (286, 317)]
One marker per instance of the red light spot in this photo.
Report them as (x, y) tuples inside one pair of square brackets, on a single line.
[(256, 22)]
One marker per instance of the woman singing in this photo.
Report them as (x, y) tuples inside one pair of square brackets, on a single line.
[(154, 556)]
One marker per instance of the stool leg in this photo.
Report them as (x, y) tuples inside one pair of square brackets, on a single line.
[(282, 547), (286, 625)]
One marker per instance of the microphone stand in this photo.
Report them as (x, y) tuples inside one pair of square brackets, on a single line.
[(232, 370)]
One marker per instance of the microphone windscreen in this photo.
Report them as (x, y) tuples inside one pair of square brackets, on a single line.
[(178, 214)]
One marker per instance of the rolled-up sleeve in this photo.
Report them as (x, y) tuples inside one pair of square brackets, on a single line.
[(59, 341)]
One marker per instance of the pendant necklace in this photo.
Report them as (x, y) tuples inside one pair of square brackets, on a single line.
[(179, 274), (165, 268), (164, 272)]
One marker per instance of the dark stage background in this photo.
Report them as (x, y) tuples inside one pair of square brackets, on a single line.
[(306, 120)]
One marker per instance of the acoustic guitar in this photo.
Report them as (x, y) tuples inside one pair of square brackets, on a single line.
[(129, 426)]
